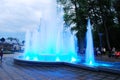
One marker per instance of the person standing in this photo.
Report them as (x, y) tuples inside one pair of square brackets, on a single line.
[(1, 53), (113, 51)]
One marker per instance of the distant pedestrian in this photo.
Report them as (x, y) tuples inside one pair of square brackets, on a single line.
[(99, 53), (113, 50), (103, 50), (1, 53)]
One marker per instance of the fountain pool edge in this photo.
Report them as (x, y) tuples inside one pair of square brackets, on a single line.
[(75, 65)]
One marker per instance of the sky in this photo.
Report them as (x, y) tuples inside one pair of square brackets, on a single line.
[(16, 16)]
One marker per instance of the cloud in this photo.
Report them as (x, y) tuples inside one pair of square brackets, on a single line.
[(19, 15)]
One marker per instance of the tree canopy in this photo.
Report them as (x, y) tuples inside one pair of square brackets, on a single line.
[(104, 15)]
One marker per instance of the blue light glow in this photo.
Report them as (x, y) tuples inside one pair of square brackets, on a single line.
[(27, 58), (99, 64), (35, 59), (73, 59), (57, 59), (91, 63)]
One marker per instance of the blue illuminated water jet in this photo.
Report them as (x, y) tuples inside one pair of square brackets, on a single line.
[(50, 41), (89, 54)]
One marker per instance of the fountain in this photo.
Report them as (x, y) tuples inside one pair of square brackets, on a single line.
[(89, 59), (89, 53), (50, 41), (90, 63)]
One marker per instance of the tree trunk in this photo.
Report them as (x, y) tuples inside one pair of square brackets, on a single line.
[(106, 34)]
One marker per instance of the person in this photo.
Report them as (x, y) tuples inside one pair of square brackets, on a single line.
[(103, 50), (98, 52), (113, 50), (1, 53)]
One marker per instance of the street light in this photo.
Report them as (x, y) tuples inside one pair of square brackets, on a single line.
[(100, 38)]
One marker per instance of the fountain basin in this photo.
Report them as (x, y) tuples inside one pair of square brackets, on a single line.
[(99, 66), (44, 60), (35, 63)]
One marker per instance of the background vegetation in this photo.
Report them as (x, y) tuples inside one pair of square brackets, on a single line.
[(104, 16)]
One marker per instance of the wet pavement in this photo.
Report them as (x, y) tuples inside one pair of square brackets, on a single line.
[(11, 71)]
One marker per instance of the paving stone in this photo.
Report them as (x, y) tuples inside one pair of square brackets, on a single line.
[(11, 71)]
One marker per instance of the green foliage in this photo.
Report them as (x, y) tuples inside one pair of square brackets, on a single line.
[(104, 15)]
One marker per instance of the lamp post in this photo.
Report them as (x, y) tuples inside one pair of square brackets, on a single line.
[(100, 38)]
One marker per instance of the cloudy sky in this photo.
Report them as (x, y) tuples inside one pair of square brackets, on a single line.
[(19, 15)]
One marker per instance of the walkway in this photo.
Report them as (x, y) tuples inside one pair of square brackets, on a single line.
[(11, 71)]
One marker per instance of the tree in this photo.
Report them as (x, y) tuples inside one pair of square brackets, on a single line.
[(101, 12), (2, 39), (107, 15), (117, 8), (75, 16), (10, 38), (102, 15)]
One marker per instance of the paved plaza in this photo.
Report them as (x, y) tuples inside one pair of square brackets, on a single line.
[(11, 71)]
